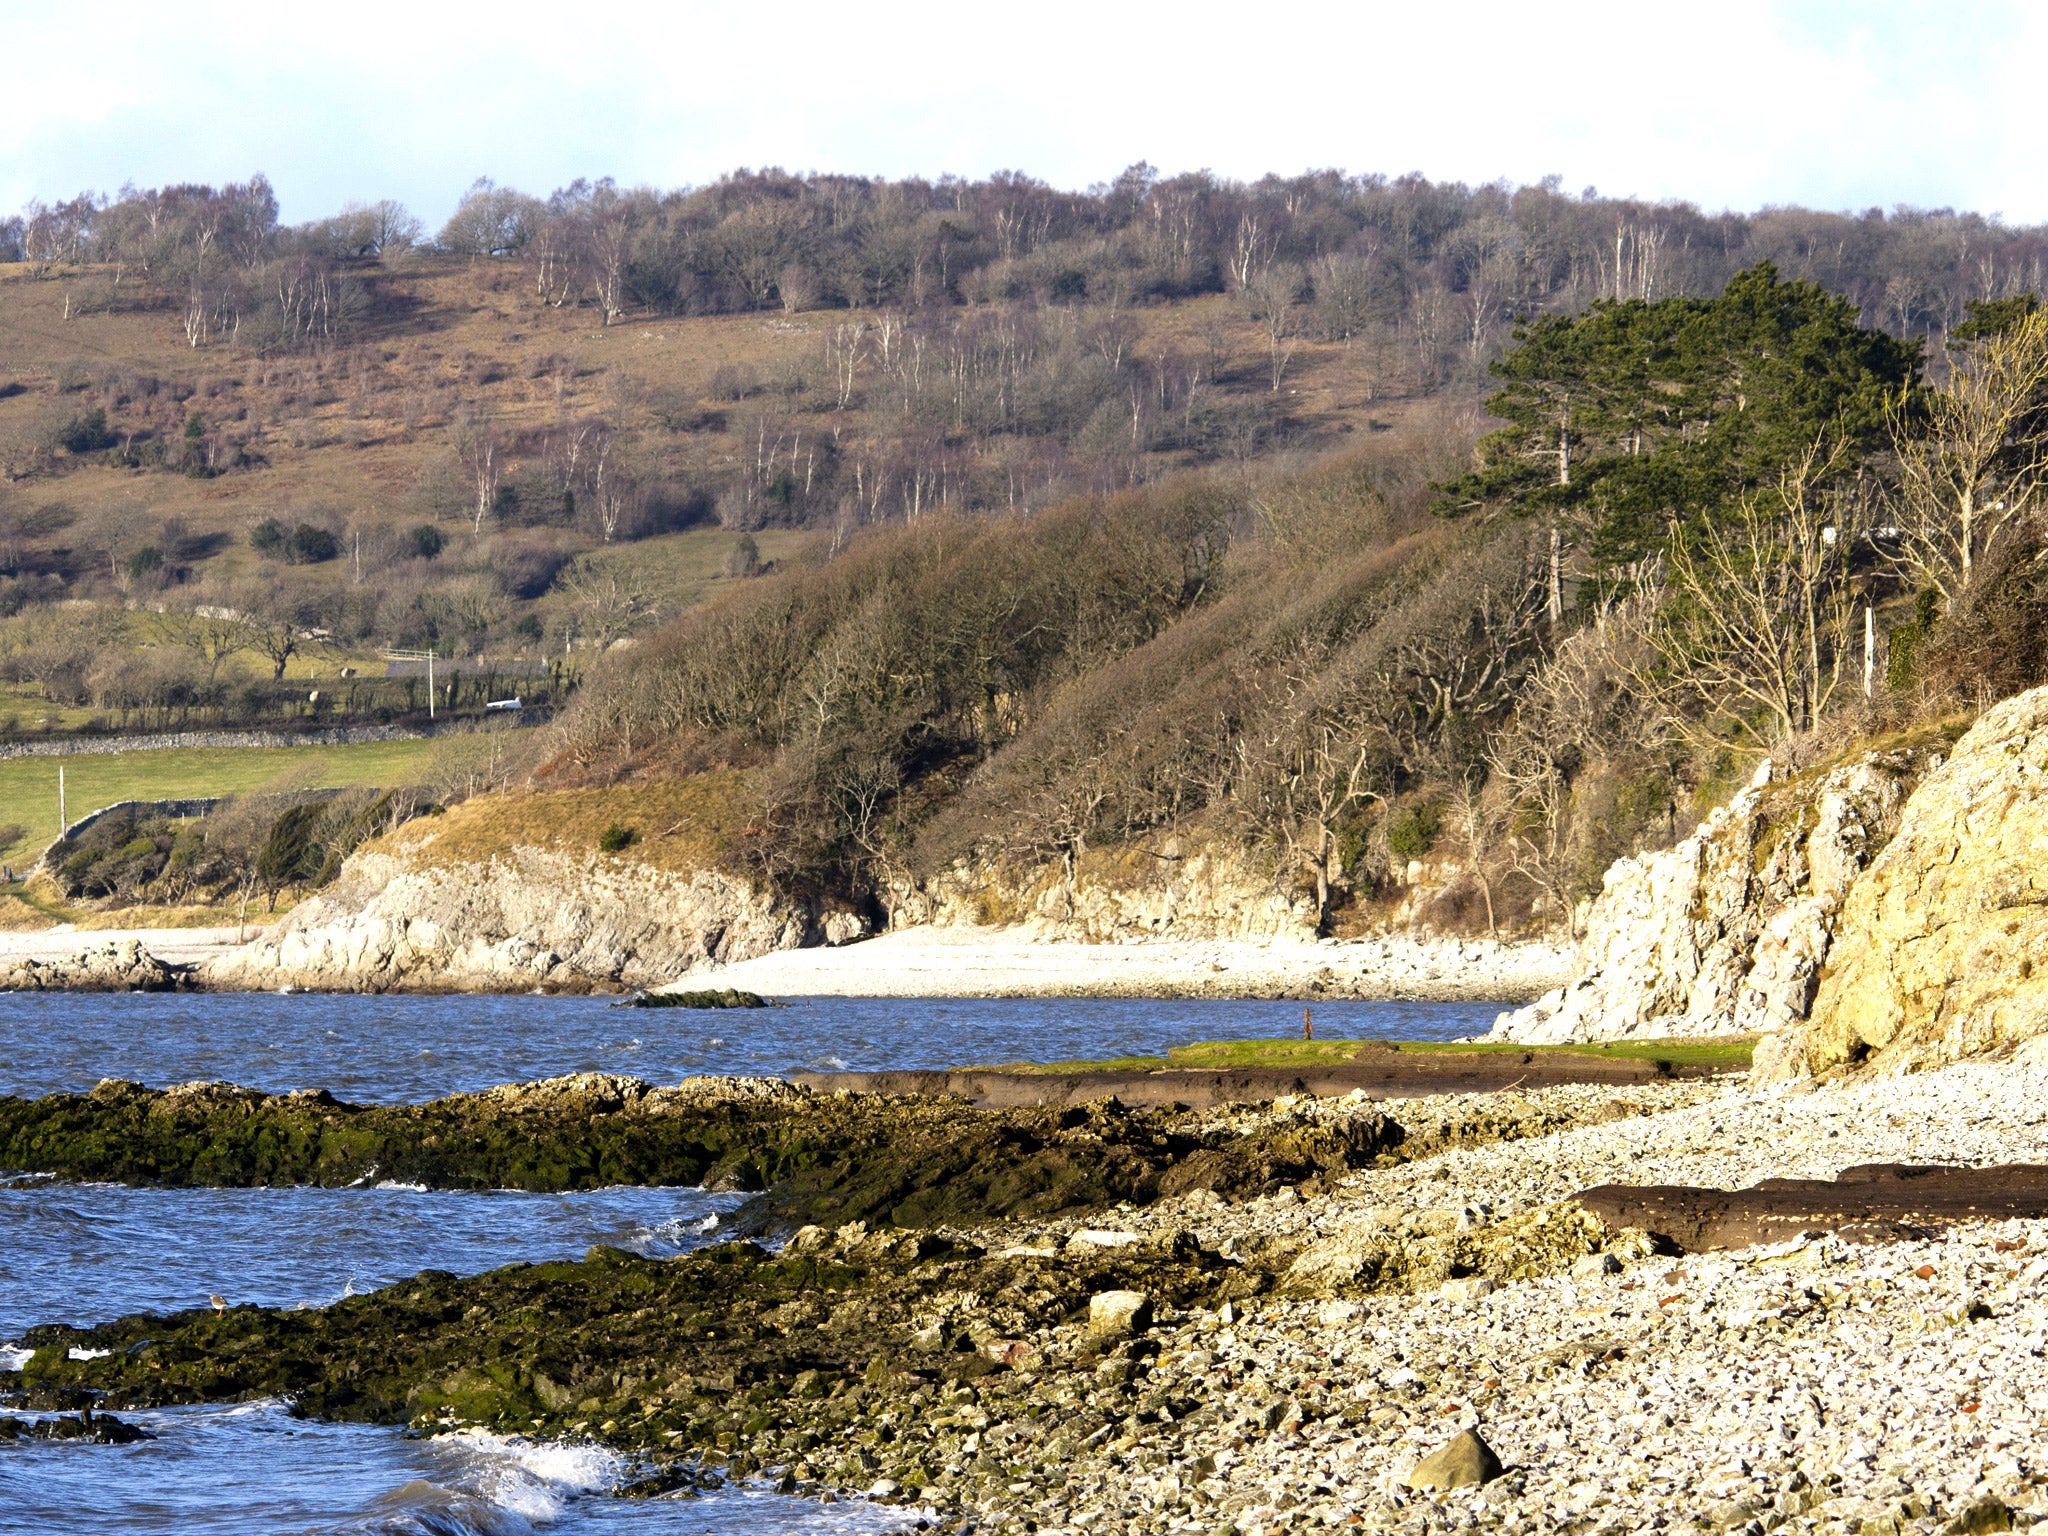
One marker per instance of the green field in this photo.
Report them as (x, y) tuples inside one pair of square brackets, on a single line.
[(1730, 1053), (28, 785)]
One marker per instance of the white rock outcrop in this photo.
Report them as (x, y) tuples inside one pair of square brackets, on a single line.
[(524, 918), (1726, 932), (1941, 947)]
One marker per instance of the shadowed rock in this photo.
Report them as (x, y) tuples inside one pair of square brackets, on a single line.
[(1874, 1202)]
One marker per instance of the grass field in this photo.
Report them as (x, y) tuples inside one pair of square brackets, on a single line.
[(1312, 1053), (28, 785)]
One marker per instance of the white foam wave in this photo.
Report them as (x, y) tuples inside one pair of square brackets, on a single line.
[(419, 1189), (831, 1063), (76, 1353), (13, 1358), (533, 1480)]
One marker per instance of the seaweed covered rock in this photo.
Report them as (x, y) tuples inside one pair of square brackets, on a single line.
[(729, 1349), (822, 1158)]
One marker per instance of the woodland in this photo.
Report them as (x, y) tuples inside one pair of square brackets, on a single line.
[(1361, 522)]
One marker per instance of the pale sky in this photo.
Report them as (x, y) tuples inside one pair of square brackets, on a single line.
[(1734, 104)]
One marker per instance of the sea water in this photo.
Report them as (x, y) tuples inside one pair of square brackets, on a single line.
[(80, 1253)]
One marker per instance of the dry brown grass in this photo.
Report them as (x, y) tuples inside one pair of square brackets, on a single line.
[(681, 824)]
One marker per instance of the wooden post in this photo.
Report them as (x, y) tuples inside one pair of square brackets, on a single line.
[(63, 821)]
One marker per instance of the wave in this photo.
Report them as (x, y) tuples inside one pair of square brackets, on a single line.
[(492, 1485), (13, 1358)]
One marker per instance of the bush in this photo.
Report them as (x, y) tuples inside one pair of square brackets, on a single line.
[(1993, 641), (87, 433), (146, 561), (311, 546), (745, 558), (302, 544), (1414, 831), (425, 541), (733, 381), (617, 838)]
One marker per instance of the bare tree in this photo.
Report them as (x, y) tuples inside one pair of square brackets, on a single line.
[(608, 601), (476, 444), (1762, 603), (1272, 294), (1974, 469)]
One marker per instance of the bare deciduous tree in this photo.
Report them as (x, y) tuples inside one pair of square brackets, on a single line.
[(1974, 469), (1762, 602)]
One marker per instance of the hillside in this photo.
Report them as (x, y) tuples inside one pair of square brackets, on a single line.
[(1316, 556)]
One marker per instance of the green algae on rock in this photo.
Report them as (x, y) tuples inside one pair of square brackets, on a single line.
[(729, 1350), (827, 1158)]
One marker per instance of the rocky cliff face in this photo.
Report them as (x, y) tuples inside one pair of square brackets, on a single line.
[(523, 918), (1726, 932), (1181, 889), (1942, 950)]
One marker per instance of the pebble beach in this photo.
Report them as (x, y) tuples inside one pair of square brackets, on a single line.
[(1812, 1385)]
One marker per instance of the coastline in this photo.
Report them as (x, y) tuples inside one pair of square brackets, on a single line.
[(1009, 962), (1287, 1361), (962, 962)]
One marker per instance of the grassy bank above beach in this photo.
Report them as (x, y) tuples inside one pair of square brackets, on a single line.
[(1728, 1053)]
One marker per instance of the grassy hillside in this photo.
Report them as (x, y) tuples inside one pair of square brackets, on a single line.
[(28, 785)]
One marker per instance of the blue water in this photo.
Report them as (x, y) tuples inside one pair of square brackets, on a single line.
[(84, 1252), (396, 1049)]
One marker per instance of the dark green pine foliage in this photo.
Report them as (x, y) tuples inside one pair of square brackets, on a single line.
[(1628, 420)]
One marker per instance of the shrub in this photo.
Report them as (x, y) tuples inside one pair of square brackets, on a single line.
[(1414, 831), (87, 433), (617, 838), (733, 381), (1993, 641), (311, 546), (745, 558), (426, 541), (301, 544)]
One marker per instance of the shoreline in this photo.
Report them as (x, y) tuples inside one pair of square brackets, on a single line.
[(963, 963), (1008, 962), (1286, 1360)]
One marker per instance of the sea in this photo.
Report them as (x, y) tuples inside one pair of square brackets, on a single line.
[(81, 1253)]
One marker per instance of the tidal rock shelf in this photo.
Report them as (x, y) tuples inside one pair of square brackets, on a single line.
[(1877, 1202), (1282, 1362), (1379, 1071), (838, 1157)]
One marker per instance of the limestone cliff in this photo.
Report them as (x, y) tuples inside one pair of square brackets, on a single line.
[(512, 892), (527, 917), (1726, 932), (1941, 948), (1183, 889)]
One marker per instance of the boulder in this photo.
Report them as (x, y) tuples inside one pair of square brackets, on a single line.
[(123, 966), (1112, 1314), (1465, 1461)]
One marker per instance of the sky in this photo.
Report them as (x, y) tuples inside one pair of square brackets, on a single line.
[(1735, 105)]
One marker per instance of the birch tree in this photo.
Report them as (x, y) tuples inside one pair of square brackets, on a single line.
[(1972, 468)]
